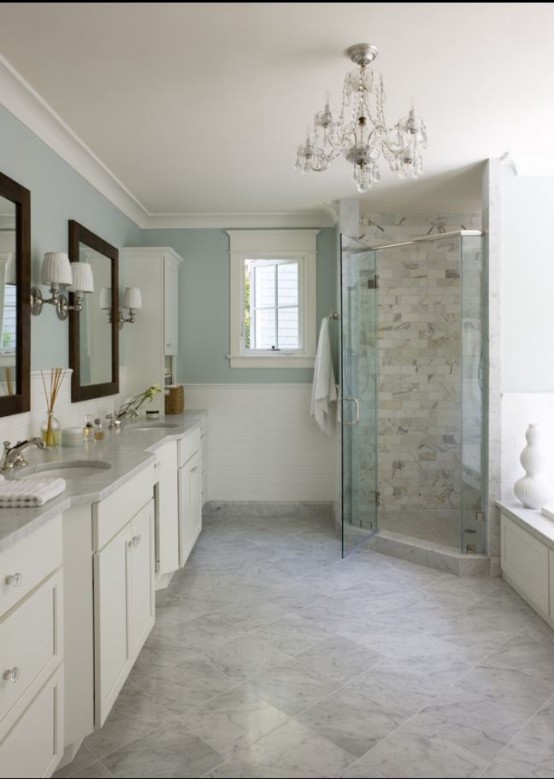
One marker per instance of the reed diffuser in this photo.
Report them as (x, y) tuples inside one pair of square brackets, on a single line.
[(51, 428)]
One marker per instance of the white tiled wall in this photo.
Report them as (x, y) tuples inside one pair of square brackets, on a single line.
[(262, 443), (519, 410), (21, 426)]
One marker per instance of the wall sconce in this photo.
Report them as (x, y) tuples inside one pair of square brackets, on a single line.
[(58, 272), (132, 299)]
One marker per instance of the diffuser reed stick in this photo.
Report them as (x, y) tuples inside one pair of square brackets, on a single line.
[(51, 433), (10, 390)]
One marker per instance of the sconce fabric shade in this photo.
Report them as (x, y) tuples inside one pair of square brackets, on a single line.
[(132, 298), (106, 298), (56, 269), (82, 277), (10, 272)]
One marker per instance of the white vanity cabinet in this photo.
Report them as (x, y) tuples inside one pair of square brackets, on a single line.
[(190, 492), (31, 653), (167, 513), (151, 344), (124, 605)]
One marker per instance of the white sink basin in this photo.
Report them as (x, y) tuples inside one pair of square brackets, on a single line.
[(71, 469)]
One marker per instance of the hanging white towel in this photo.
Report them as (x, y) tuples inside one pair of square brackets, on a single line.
[(324, 389), (28, 493)]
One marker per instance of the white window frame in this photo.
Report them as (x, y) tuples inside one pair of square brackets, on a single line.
[(297, 245)]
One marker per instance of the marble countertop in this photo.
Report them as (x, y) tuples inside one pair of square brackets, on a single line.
[(530, 519), (127, 450)]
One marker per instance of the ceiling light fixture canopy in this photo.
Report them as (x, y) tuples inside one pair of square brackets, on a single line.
[(360, 133)]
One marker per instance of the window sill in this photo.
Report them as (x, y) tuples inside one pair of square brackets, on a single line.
[(271, 361)]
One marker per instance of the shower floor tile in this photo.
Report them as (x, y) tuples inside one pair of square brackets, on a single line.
[(272, 657)]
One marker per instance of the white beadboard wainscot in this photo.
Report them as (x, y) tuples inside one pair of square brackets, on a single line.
[(263, 445)]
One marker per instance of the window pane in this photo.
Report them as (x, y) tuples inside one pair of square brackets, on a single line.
[(288, 328), (264, 329), (9, 325), (288, 284), (271, 311), (264, 285)]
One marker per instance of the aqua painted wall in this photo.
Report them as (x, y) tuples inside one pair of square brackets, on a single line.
[(204, 305), (58, 193)]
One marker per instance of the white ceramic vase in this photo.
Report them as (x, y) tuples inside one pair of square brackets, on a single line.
[(534, 489)]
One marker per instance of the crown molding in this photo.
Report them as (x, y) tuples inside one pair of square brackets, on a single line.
[(21, 100), (258, 220)]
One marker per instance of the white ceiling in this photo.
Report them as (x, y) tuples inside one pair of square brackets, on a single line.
[(197, 108)]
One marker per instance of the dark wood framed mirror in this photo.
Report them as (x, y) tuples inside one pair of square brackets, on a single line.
[(15, 297), (94, 331)]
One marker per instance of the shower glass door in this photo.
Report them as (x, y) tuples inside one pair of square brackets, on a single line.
[(360, 498)]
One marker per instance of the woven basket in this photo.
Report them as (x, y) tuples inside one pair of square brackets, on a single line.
[(175, 400)]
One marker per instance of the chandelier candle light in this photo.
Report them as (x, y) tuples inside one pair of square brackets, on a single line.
[(360, 133)]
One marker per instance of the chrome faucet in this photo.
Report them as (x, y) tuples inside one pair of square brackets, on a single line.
[(13, 455), (117, 418)]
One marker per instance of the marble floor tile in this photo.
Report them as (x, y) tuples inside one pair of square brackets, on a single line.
[(170, 751), (293, 750), (513, 686), (248, 656), (339, 658), (292, 688), (406, 757), (82, 760), (134, 714), (234, 719), (94, 771), (479, 724), (186, 685), (352, 720), (272, 657), (534, 744), (294, 633)]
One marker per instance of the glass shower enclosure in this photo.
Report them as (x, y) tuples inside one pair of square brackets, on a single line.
[(413, 351)]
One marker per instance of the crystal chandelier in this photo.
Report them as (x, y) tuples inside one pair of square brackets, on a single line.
[(360, 133)]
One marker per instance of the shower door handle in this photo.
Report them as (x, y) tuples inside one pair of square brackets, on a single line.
[(357, 418)]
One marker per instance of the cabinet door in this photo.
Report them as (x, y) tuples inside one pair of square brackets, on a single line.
[(111, 658), (171, 306), (140, 579), (124, 606), (190, 506), (167, 510), (195, 499)]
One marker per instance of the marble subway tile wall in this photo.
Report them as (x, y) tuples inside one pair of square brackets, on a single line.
[(419, 377)]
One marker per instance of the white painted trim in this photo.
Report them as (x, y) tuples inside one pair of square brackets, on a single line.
[(277, 361), (295, 244), (275, 220), (21, 100)]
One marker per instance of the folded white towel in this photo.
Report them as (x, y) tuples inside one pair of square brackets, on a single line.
[(324, 389), (28, 493)]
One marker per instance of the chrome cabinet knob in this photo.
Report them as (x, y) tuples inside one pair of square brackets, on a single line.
[(14, 579)]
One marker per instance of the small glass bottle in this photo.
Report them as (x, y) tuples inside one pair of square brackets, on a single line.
[(51, 430), (99, 433), (88, 428)]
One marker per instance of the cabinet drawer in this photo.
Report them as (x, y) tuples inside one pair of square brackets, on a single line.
[(29, 561), (34, 745), (188, 445), (30, 643), (112, 514), (166, 458)]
